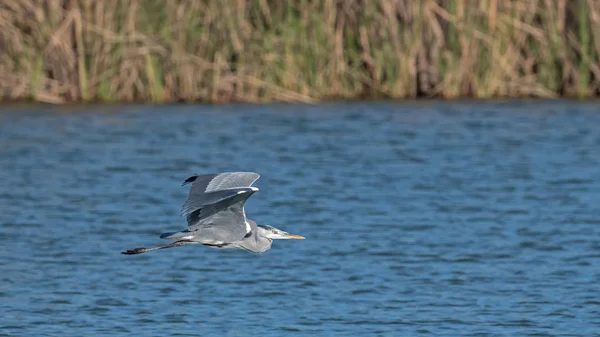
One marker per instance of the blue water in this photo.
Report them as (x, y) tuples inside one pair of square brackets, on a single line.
[(433, 218)]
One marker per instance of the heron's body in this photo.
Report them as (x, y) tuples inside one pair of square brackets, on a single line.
[(216, 217)]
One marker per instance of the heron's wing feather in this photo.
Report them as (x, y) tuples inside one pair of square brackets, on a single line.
[(214, 182), (216, 202), (200, 206), (223, 227), (207, 200), (211, 188)]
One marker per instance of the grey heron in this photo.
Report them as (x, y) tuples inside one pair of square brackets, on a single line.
[(215, 215)]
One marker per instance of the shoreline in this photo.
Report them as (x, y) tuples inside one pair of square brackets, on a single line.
[(332, 101)]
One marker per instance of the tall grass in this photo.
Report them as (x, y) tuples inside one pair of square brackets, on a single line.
[(297, 50)]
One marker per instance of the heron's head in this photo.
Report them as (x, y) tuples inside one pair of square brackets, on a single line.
[(274, 233)]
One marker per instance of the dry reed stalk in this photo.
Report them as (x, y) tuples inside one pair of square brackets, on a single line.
[(296, 50)]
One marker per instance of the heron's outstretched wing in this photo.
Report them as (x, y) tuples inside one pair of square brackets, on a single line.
[(217, 202), (209, 189)]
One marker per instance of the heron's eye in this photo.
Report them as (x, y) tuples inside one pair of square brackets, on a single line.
[(273, 231)]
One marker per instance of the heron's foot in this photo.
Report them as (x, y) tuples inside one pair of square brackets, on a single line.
[(134, 251)]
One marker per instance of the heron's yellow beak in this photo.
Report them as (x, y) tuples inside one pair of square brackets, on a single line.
[(294, 236)]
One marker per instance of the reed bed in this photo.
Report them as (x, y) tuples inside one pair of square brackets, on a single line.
[(297, 50)]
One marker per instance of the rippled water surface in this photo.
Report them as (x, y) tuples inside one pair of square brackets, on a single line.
[(439, 219)]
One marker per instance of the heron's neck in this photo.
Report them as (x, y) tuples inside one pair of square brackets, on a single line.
[(262, 243)]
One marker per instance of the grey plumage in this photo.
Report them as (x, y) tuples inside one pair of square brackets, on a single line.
[(215, 215)]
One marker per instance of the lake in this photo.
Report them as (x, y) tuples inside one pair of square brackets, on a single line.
[(421, 219)]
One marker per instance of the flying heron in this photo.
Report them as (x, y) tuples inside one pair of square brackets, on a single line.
[(215, 215)]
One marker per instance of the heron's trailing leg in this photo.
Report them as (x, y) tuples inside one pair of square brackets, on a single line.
[(171, 245)]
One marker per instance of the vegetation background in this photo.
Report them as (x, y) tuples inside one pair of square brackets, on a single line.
[(296, 50)]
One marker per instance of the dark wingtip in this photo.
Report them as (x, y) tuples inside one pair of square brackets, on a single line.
[(189, 180)]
